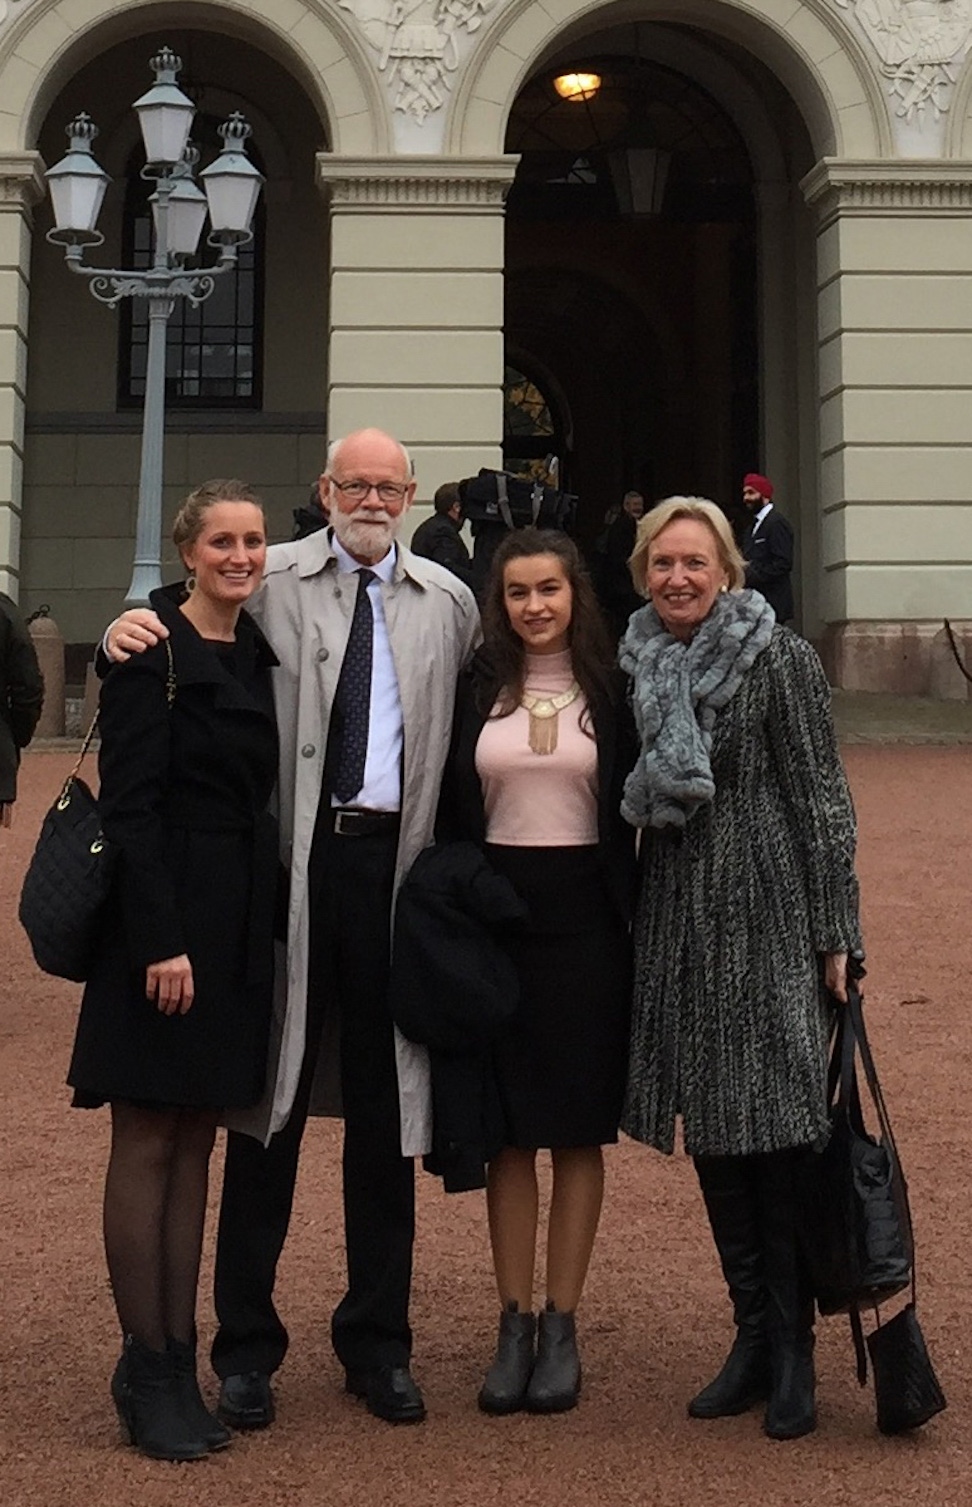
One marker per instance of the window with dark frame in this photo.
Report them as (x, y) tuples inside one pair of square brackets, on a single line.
[(214, 353)]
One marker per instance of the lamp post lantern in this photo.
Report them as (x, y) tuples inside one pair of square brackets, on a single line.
[(179, 210)]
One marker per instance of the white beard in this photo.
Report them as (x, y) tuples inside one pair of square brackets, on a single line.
[(370, 540)]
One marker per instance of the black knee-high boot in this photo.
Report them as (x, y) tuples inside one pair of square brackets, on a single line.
[(732, 1204), (791, 1408)]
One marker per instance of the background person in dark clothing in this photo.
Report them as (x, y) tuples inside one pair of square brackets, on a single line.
[(313, 515), (439, 539), (768, 547), (618, 596), (21, 698)]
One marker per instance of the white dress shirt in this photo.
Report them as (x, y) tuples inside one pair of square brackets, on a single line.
[(382, 788), (766, 508)]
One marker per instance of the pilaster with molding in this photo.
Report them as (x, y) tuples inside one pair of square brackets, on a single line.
[(21, 186), (416, 344), (894, 307)]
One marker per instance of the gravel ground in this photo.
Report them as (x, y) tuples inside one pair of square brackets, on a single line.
[(655, 1321)]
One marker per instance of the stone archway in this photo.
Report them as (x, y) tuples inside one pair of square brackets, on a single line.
[(813, 53)]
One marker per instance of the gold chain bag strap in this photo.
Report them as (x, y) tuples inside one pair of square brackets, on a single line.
[(69, 876)]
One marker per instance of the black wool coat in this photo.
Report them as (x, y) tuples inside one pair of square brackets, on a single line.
[(453, 988), (461, 810), (21, 694), (184, 800)]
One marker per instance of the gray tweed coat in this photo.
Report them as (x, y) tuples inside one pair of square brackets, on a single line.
[(730, 1022)]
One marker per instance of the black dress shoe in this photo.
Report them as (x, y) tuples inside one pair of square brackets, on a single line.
[(246, 1401), (390, 1393)]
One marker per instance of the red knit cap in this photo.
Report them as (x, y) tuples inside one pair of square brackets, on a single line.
[(760, 484)]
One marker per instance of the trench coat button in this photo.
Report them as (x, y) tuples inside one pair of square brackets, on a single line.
[(323, 654), (308, 751)]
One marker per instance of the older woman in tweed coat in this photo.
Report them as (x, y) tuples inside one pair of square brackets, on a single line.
[(748, 911)]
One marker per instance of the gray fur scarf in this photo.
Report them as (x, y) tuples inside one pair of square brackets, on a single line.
[(677, 691)]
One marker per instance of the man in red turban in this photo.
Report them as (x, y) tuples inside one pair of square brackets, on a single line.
[(768, 547)]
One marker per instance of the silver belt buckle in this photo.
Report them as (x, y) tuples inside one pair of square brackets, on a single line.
[(340, 828)]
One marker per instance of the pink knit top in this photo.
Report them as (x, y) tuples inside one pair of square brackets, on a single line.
[(540, 800)]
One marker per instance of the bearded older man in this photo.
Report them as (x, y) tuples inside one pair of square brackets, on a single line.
[(370, 640)]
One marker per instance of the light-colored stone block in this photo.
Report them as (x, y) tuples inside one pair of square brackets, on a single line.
[(931, 417), (13, 299), (872, 243), (497, 79), (528, 32), (894, 359), (397, 242), (483, 128), (13, 360), (908, 592), (416, 415), (830, 368), (454, 358), (19, 82), (905, 473), (48, 33), (915, 302), (897, 535), (319, 45), (14, 238), (345, 89), (11, 477), (435, 464), (9, 534), (434, 300), (12, 418), (355, 134)]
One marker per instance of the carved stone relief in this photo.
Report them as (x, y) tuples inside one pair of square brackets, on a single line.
[(921, 45), (417, 43)]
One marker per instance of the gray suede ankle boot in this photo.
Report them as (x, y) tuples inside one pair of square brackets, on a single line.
[(556, 1381), (504, 1389)]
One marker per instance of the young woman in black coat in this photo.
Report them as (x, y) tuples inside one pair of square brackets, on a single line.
[(542, 742), (175, 1017)]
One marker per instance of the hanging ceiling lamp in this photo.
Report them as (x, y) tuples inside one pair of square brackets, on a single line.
[(577, 86)]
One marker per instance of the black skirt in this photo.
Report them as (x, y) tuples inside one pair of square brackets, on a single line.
[(562, 1063)]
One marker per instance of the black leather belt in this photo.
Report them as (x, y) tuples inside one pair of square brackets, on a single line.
[(350, 821)]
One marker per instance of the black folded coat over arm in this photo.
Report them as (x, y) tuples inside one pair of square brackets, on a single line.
[(453, 988)]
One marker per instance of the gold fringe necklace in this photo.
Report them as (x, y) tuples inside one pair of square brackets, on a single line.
[(543, 717)]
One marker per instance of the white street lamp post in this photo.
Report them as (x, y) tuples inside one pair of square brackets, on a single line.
[(232, 186)]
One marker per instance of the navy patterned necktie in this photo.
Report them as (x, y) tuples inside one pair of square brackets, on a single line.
[(353, 695)]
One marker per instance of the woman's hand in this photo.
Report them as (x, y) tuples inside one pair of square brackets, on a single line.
[(169, 983), (135, 631), (835, 974)]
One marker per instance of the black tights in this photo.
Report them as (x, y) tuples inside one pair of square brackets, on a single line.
[(154, 1214)]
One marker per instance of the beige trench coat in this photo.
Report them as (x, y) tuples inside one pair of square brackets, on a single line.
[(304, 606)]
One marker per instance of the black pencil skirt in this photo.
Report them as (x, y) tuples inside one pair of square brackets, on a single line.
[(561, 1064)]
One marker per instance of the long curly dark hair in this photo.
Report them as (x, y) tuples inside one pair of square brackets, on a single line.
[(591, 653)]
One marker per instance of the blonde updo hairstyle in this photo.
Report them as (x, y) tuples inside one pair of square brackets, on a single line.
[(191, 516), (701, 510)]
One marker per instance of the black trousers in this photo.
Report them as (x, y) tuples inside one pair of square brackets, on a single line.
[(351, 887)]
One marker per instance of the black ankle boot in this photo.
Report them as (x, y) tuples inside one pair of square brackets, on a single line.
[(730, 1192), (146, 1393), (556, 1381), (200, 1419), (504, 1390), (743, 1381), (791, 1410)]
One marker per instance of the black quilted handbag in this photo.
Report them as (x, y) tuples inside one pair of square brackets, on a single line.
[(856, 1221), (69, 876), (906, 1388), (857, 1234)]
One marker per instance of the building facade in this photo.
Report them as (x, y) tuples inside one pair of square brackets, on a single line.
[(750, 248)]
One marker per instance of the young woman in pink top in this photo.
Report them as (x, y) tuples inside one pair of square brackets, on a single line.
[(542, 743)]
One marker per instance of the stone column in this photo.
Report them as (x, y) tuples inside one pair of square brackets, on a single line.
[(894, 306), (21, 185), (416, 342)]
